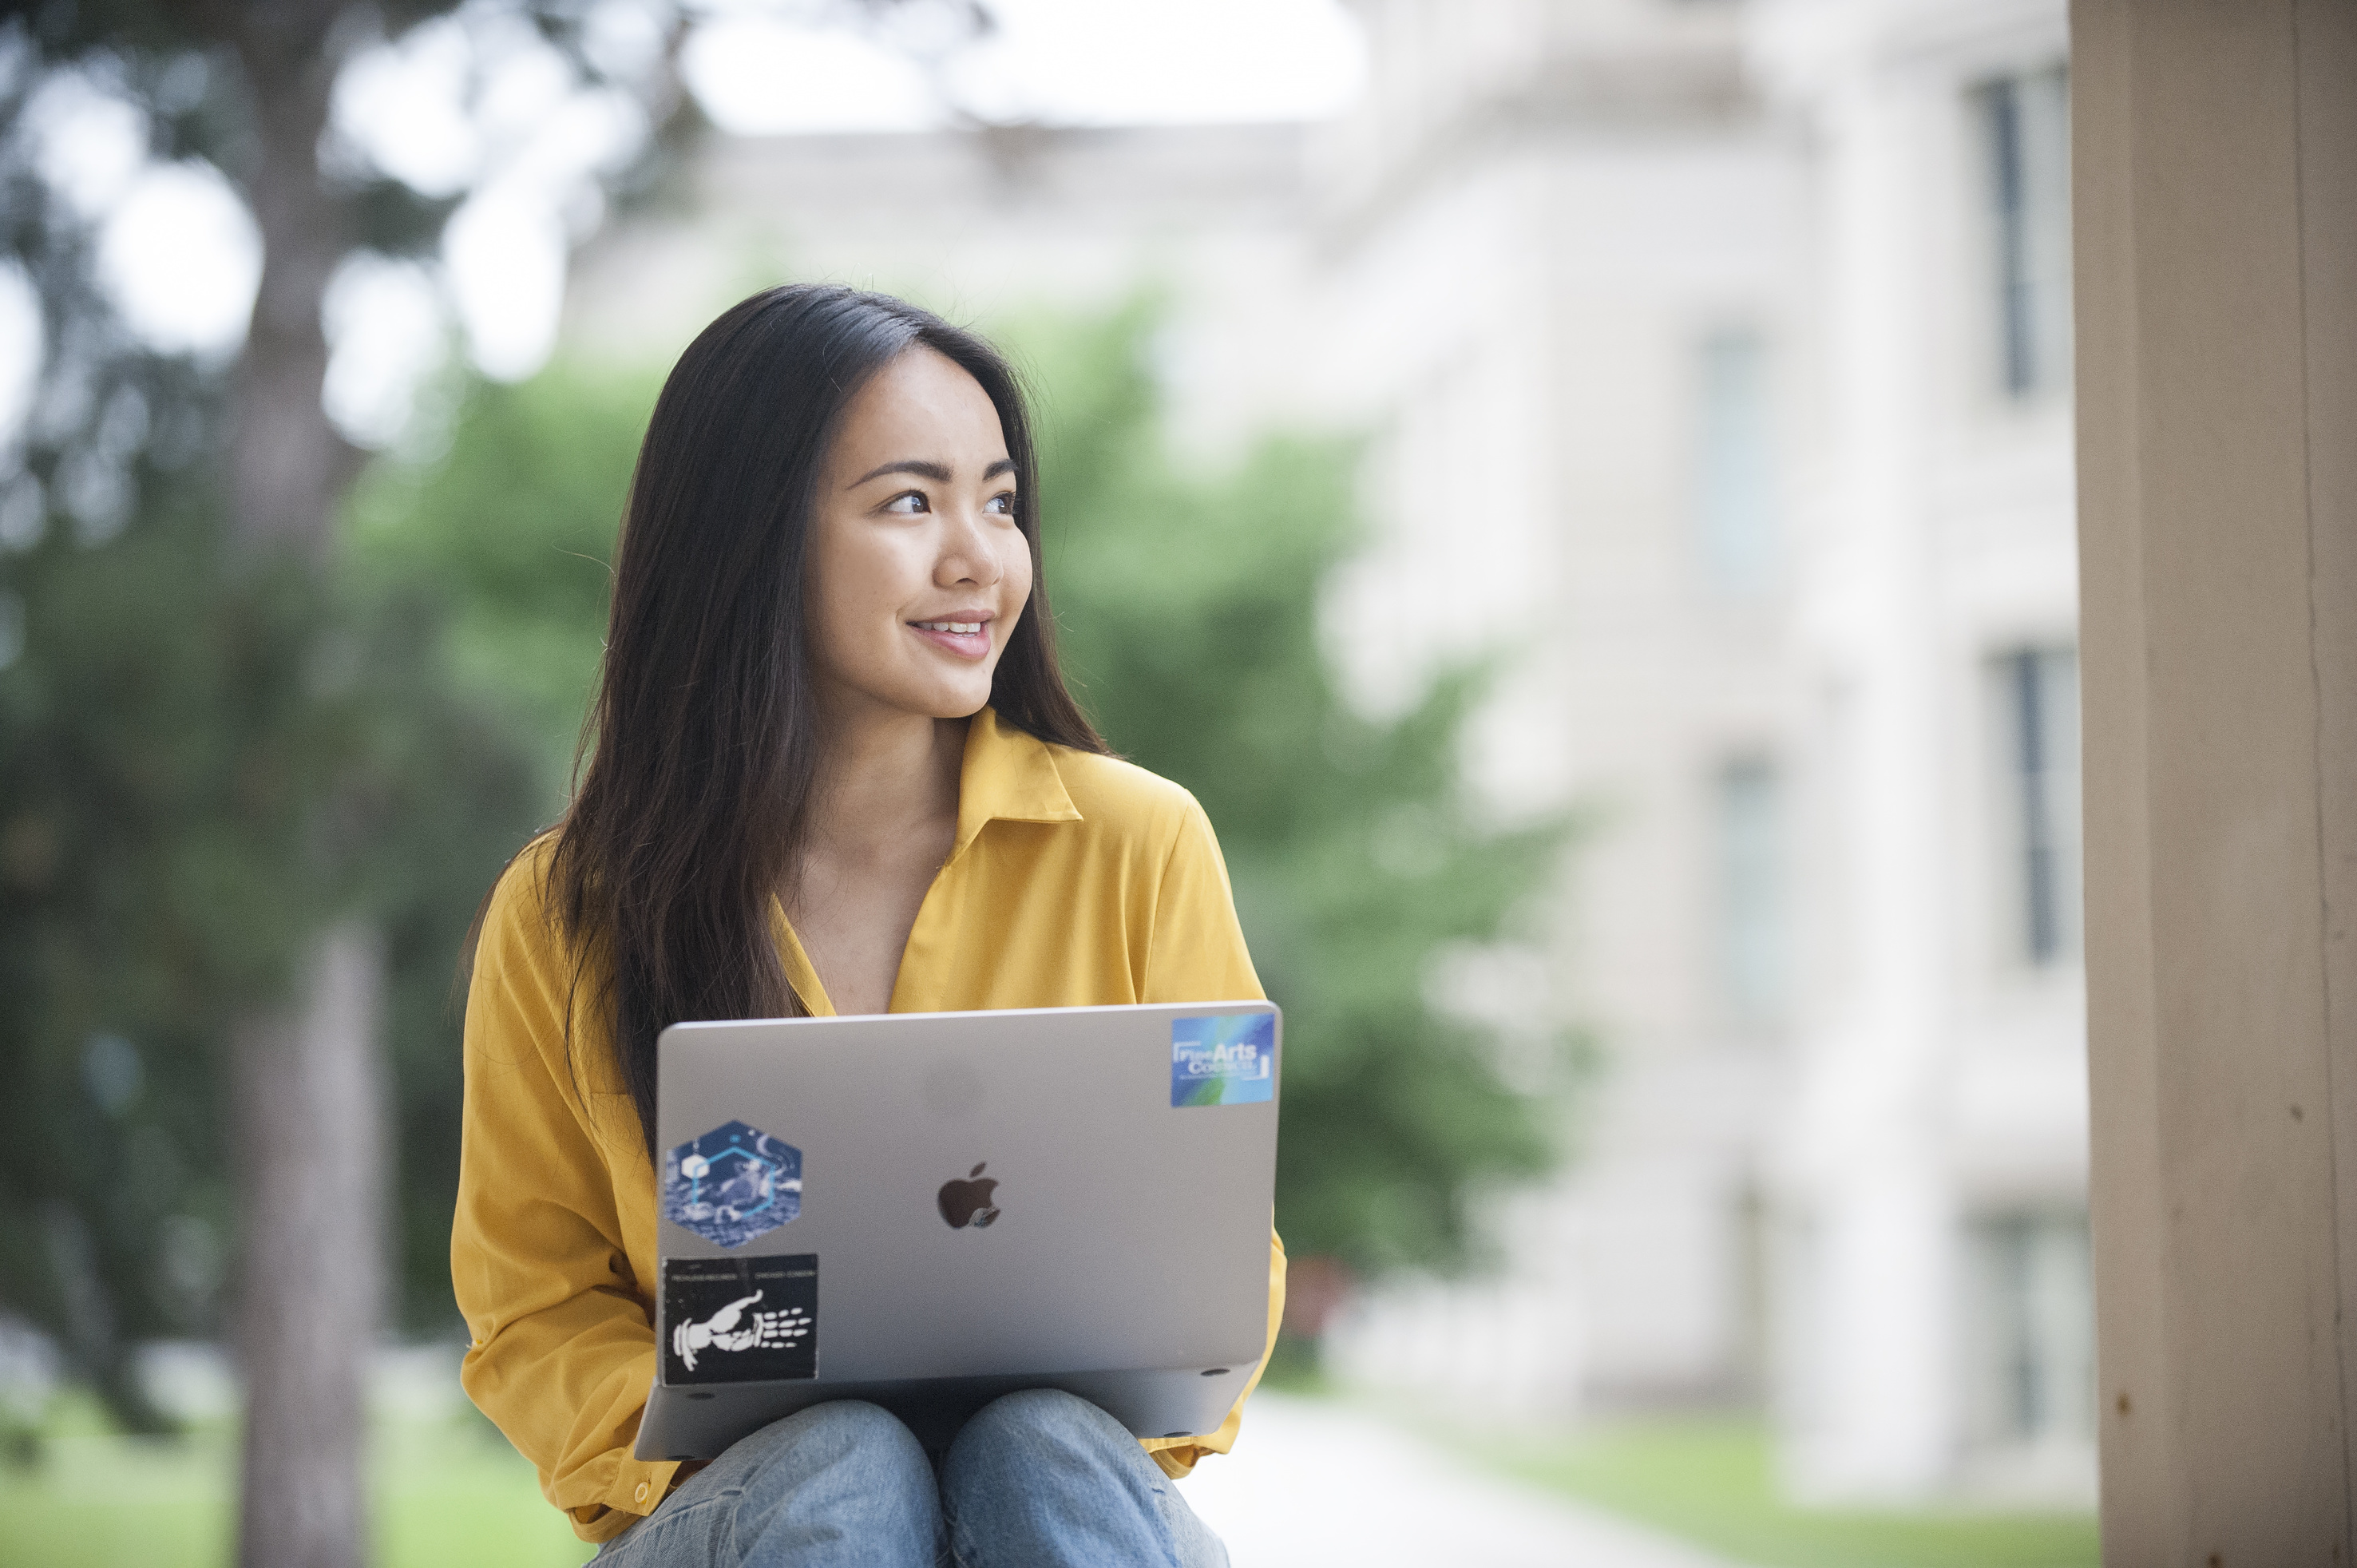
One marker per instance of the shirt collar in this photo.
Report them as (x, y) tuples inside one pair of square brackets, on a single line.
[(1010, 774), (1007, 773)]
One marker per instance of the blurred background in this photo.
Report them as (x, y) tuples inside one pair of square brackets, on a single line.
[(1581, 490)]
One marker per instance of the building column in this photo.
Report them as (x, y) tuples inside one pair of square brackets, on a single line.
[(2215, 205), (1871, 1416)]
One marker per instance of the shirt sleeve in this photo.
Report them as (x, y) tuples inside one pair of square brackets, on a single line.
[(562, 1349), (1196, 954)]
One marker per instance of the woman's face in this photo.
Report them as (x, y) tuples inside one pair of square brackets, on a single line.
[(918, 569)]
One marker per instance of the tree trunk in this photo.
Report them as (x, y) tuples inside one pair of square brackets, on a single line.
[(308, 1113), (310, 1134), (288, 466)]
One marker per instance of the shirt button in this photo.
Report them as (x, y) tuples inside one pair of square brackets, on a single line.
[(642, 1491)]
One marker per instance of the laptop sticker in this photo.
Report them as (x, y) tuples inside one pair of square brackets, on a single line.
[(740, 1320), (1229, 1058), (732, 1184)]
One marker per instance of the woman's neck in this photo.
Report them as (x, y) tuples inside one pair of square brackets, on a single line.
[(882, 825), (888, 777)]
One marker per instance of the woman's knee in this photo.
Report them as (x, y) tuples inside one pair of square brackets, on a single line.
[(846, 1421), (844, 1432), (1044, 1423), (839, 1473), (1046, 1477)]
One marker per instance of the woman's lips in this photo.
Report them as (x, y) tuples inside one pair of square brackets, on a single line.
[(970, 645)]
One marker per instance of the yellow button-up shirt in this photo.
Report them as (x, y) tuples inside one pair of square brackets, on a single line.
[(1077, 881)]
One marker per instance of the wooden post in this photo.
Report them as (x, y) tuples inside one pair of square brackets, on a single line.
[(2214, 168)]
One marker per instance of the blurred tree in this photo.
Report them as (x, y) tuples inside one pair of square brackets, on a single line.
[(1188, 611), (243, 897), (287, 966), (176, 739), (113, 1213)]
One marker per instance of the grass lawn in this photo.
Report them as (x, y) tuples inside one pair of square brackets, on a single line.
[(450, 1493), (1709, 1481), (447, 1494)]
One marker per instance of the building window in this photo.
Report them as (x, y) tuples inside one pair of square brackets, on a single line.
[(2025, 127), (2033, 1330), (2037, 722), (1735, 469), (1751, 888)]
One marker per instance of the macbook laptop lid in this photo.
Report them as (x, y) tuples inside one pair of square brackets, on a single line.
[(928, 1211)]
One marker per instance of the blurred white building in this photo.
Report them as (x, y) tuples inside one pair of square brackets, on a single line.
[(1562, 286), (1935, 1320), (1716, 357), (1739, 377)]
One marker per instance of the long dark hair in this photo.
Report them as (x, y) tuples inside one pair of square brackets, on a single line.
[(696, 799)]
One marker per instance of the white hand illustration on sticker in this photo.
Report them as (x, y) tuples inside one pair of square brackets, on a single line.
[(721, 1331)]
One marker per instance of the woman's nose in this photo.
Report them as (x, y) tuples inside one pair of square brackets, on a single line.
[(966, 555)]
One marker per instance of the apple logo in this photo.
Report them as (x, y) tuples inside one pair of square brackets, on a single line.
[(965, 1203)]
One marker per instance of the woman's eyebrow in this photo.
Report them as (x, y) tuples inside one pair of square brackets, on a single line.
[(937, 472)]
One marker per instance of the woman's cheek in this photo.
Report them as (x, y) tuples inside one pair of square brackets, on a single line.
[(1018, 576)]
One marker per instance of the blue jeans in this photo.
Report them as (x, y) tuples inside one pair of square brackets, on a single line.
[(1037, 1478)]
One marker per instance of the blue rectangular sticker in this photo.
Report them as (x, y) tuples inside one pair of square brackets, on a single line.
[(1229, 1058)]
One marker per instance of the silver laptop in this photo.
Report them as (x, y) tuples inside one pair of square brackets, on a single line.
[(928, 1211)]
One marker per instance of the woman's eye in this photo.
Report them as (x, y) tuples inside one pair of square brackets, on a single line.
[(909, 502), (1002, 504)]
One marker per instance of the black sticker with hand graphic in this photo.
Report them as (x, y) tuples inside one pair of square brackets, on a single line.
[(740, 1320)]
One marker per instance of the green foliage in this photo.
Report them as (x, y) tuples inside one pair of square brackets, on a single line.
[(1186, 610), (512, 531), (136, 834), (501, 544), (450, 788), (201, 764)]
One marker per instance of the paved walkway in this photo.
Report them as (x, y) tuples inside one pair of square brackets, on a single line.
[(1312, 1484)]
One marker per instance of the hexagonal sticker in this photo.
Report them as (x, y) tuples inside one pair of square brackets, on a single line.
[(732, 1184)]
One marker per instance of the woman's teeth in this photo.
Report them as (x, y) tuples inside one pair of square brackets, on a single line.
[(955, 628)]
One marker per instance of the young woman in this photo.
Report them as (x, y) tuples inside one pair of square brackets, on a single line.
[(836, 770)]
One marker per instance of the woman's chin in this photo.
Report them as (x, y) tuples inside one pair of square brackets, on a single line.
[(912, 693), (961, 704)]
